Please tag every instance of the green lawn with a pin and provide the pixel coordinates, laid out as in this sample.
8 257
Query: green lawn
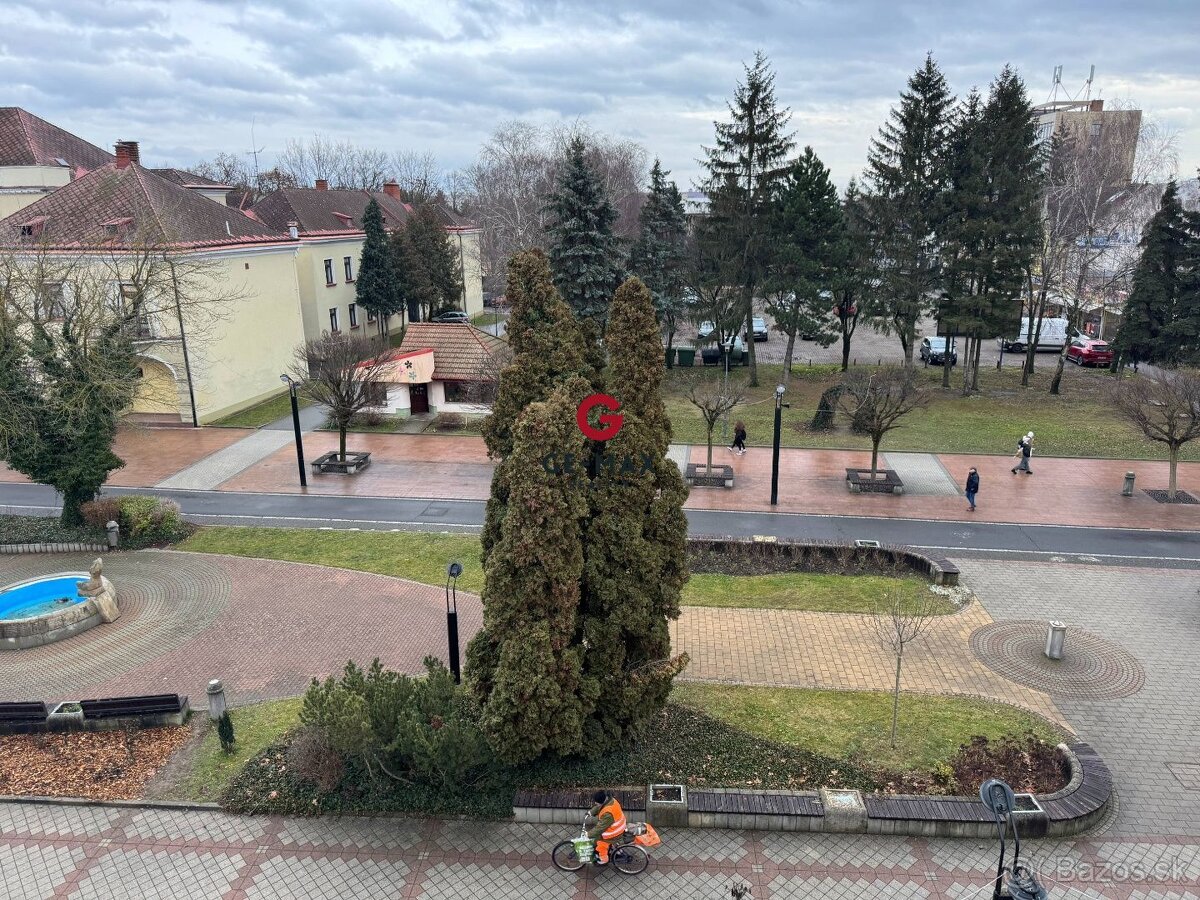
1078 422
855 725
419 556
809 591
486 319
255 728
262 413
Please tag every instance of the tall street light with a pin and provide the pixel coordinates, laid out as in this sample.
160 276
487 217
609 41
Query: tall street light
779 406
452 572
292 385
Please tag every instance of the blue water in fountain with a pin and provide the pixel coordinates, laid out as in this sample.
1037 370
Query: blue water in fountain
41 596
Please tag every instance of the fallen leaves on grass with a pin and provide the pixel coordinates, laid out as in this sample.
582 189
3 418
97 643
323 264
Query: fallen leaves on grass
107 765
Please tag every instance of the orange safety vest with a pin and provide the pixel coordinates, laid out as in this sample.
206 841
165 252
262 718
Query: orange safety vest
618 826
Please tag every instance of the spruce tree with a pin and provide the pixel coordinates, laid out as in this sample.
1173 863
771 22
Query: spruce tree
584 252
524 666
853 287
659 256
1157 280
377 288
744 169
809 250
431 264
906 179
634 538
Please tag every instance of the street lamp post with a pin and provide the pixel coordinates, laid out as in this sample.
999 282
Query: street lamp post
1022 883
452 572
779 405
292 385
725 419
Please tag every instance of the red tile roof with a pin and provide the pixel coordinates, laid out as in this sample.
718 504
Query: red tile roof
26 140
461 352
190 179
161 211
323 213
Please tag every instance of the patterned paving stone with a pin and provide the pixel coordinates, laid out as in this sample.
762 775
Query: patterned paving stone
34 872
922 473
676 885
701 844
327 878
800 888
194 827
980 856
502 837
470 881
1164 895
1161 862
36 819
835 851
350 832
158 876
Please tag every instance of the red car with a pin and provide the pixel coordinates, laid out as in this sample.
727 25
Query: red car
1087 352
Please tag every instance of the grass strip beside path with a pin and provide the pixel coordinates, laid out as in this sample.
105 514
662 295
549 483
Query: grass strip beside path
263 413
416 555
809 591
855 725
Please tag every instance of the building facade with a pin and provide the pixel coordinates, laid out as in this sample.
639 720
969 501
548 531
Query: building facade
37 158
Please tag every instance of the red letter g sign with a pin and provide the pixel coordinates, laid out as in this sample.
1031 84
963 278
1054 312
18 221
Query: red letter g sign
610 421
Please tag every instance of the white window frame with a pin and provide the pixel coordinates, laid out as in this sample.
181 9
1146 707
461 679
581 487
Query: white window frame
348 266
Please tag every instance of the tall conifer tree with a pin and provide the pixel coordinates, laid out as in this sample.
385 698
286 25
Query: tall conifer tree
659 256
377 288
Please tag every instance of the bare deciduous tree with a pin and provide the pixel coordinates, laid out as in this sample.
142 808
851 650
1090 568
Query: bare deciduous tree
1165 409
714 400
320 157
898 624
343 372
877 401
418 175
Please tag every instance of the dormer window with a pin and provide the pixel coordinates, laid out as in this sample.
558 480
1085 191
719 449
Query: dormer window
347 221
33 228
115 227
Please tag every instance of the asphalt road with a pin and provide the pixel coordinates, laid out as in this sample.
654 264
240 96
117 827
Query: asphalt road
1116 546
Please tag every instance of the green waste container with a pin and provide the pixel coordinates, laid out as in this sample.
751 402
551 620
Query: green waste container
687 356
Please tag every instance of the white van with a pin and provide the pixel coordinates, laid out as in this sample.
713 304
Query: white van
1051 337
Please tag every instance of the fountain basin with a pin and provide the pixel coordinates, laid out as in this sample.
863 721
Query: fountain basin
43 610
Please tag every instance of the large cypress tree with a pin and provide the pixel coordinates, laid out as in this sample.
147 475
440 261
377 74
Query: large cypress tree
1157 282
431 264
584 252
659 256
634 538
809 250
744 168
906 179
378 288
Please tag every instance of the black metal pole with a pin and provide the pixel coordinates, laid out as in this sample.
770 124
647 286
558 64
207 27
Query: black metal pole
452 630
775 450
299 440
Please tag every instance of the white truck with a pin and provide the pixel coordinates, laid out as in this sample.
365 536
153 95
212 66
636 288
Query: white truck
1051 337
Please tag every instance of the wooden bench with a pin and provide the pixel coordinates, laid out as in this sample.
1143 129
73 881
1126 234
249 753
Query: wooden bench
146 711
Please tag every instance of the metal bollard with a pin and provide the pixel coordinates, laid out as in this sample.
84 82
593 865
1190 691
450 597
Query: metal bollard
1056 639
1127 491
216 699
114 535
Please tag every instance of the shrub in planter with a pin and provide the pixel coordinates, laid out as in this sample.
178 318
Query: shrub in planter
144 519
312 755
367 418
414 730
1027 763
450 422
99 512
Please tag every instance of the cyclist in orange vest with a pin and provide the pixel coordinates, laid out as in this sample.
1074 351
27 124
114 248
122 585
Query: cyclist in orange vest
610 823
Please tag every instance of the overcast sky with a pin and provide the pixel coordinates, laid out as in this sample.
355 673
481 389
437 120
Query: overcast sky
186 78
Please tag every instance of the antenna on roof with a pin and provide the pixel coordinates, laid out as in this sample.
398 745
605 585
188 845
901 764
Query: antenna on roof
1087 88
254 151
1056 83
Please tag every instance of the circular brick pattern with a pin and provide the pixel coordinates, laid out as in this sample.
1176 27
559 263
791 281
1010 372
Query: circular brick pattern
1092 668
165 600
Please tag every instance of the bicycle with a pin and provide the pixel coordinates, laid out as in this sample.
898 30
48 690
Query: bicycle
628 859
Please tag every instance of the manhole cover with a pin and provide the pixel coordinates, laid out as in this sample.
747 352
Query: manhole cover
1092 668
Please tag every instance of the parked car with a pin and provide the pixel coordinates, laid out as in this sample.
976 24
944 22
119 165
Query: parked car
1051 337
933 351
452 315
760 329
1089 352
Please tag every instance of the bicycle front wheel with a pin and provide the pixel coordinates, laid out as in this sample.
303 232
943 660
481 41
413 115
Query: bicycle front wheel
565 858
629 860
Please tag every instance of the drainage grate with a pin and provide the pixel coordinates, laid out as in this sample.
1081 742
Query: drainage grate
1180 497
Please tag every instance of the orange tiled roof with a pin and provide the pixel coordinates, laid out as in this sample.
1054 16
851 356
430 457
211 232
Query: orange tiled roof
461 352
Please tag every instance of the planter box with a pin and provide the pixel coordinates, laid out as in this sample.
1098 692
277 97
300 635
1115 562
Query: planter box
687 356
63 719
1031 820
845 812
886 481
701 476
330 464
711 356
667 806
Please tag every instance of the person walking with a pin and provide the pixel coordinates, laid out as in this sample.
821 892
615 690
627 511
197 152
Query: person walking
739 439
972 487
1024 451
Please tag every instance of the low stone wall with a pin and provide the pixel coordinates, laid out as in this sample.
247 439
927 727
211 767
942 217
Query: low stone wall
13 549
20 634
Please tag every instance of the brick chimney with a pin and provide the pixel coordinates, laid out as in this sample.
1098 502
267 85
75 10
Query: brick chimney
1096 106
293 229
127 152
392 189
322 184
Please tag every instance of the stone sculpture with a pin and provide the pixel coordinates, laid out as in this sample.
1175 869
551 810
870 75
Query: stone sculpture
100 593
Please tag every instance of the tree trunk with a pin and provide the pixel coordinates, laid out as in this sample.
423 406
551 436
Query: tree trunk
975 366
875 454
1173 459
708 470
73 499
845 350
1056 381
787 358
946 366
896 696
342 441
750 338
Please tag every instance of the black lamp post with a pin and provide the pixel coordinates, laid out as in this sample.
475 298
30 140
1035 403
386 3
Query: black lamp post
1022 883
452 572
779 406
292 385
